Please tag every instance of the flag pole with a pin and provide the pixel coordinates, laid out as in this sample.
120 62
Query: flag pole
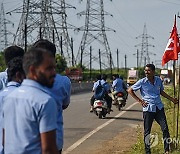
177 124
171 53
174 92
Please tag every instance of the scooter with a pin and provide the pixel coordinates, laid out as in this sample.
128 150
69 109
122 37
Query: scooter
119 100
100 108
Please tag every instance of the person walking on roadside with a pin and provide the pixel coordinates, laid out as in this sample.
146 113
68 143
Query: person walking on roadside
29 112
61 92
151 88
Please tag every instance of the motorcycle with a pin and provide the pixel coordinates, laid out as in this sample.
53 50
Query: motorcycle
119 100
100 108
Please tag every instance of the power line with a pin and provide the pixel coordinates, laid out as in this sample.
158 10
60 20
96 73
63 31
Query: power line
3 29
94 31
44 19
144 52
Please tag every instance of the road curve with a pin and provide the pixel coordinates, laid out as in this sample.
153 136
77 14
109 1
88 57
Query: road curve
83 131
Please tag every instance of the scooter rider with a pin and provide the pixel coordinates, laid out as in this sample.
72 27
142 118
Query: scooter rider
93 89
108 99
118 86
108 90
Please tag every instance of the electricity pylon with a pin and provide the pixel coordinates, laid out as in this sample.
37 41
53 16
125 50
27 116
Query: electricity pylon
3 29
94 34
144 51
45 19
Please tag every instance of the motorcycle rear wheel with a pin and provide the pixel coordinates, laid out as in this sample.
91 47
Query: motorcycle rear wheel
100 115
104 115
119 107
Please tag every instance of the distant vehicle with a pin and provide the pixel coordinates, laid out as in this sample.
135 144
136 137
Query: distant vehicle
166 76
74 74
132 77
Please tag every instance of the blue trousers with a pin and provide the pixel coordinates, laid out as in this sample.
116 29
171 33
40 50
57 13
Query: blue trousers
160 118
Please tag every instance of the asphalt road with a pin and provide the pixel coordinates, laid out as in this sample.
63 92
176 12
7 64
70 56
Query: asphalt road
83 131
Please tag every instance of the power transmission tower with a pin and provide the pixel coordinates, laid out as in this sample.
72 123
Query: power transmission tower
45 19
3 29
144 51
94 34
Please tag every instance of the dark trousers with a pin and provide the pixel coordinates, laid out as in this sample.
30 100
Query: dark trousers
106 97
108 100
160 118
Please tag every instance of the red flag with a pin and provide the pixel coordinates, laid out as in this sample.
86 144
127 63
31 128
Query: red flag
172 48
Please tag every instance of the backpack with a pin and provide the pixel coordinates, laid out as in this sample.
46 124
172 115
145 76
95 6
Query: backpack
99 91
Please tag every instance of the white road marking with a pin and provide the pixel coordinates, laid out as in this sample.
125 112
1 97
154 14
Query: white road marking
76 144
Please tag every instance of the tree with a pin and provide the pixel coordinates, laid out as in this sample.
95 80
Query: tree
61 63
2 62
82 67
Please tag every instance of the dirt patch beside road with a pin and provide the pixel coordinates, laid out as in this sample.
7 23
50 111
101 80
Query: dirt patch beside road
121 144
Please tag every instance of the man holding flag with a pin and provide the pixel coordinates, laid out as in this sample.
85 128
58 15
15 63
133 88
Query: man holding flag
151 88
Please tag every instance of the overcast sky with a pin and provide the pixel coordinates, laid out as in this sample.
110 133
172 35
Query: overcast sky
129 17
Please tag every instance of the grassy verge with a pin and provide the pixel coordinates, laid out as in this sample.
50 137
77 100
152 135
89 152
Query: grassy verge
157 148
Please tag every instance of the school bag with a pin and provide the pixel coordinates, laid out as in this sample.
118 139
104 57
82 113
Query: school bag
100 91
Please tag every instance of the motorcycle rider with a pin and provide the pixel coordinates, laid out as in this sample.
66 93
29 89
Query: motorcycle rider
118 86
108 90
98 77
108 99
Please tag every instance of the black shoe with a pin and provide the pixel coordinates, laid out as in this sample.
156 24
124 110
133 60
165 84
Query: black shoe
109 110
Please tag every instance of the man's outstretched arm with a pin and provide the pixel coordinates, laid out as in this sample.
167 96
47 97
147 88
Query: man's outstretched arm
174 100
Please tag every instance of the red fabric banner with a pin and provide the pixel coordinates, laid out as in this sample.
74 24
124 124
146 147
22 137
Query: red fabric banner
172 48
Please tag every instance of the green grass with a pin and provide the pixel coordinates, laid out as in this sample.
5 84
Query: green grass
138 148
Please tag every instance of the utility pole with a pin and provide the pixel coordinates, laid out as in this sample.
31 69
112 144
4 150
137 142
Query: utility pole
3 29
25 37
81 57
144 52
125 57
137 56
145 61
61 46
117 60
90 69
72 51
100 61
111 63
45 19
94 32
